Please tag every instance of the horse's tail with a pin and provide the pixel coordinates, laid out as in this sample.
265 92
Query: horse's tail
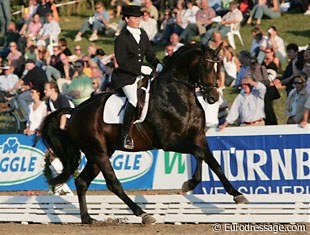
61 144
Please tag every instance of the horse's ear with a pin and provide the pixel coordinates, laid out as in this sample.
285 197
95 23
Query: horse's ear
219 48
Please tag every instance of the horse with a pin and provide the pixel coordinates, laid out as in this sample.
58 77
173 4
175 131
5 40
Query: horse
174 122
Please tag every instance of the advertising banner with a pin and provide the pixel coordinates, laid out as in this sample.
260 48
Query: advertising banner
260 160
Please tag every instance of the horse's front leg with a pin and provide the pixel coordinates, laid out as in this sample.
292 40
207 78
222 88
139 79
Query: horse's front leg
82 183
195 180
115 186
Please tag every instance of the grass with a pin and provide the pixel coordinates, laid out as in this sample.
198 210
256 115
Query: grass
292 27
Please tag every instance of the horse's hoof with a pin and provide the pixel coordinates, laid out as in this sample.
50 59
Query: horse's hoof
185 187
88 220
148 219
240 199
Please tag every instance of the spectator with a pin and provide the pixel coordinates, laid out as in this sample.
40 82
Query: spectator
148 4
50 30
96 86
148 24
234 16
43 56
14 57
231 65
244 58
55 101
30 51
5 15
106 80
35 76
43 9
272 63
31 30
38 111
248 106
64 47
81 87
77 55
58 66
306 114
261 9
199 22
11 35
27 15
169 50
118 4
98 22
293 68
54 10
296 100
258 38
175 42
8 79
275 42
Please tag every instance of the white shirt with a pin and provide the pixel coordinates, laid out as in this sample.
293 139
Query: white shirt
8 82
50 29
36 116
230 67
135 33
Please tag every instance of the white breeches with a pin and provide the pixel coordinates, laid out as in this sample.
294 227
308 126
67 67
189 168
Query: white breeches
131 92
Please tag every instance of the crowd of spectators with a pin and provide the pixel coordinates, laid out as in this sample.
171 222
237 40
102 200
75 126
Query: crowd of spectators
37 62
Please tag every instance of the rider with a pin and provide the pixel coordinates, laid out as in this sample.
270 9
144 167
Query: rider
130 48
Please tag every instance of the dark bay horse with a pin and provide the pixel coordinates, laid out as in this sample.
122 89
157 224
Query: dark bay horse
175 122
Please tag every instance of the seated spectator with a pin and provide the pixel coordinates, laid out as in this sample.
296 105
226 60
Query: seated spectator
81 87
32 29
38 111
35 77
148 24
199 22
30 51
168 52
258 38
50 30
148 4
231 66
11 35
248 106
106 80
296 100
8 79
293 68
272 64
175 42
43 9
27 14
77 55
58 66
306 115
62 42
98 22
43 56
275 42
55 101
216 41
96 86
234 16
118 5
87 61
16 59
261 9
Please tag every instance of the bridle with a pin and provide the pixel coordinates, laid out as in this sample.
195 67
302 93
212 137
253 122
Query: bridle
205 87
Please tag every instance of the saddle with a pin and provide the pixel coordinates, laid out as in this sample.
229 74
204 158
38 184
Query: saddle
115 105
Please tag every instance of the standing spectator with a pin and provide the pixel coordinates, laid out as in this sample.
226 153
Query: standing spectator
35 76
81 87
275 42
38 111
55 101
234 16
8 79
5 15
201 21
261 9
148 24
98 22
296 100
293 68
271 62
248 106
50 30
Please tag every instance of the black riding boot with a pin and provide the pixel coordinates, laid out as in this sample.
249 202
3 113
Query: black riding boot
129 115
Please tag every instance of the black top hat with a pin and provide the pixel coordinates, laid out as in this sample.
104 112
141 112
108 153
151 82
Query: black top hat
131 10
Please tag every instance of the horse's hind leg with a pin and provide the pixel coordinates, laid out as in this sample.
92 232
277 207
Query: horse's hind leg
82 183
115 186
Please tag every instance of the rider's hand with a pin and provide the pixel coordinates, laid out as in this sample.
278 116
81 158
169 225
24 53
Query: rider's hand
159 68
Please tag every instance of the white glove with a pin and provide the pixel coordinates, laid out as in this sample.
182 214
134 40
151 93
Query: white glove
146 70
159 68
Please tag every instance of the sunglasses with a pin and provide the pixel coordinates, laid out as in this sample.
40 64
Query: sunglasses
77 49
77 66
300 82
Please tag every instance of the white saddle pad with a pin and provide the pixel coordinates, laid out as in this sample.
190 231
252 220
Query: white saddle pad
114 109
